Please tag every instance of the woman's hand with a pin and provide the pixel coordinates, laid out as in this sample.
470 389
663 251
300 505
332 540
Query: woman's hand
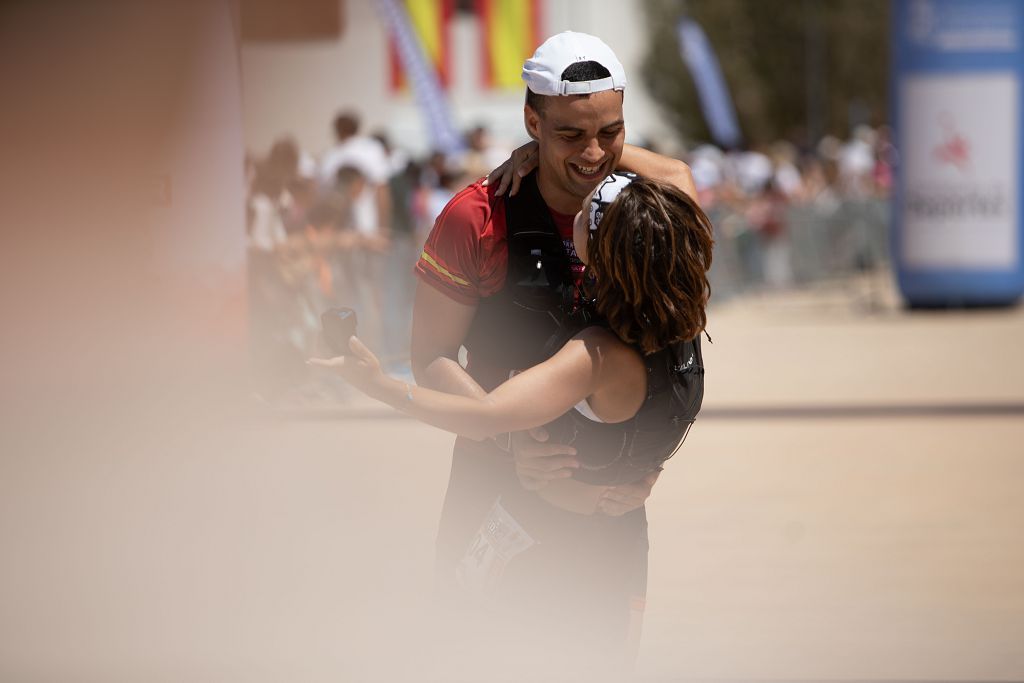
523 160
538 462
360 368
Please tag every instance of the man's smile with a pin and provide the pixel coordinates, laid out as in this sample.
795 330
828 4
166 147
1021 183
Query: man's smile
591 172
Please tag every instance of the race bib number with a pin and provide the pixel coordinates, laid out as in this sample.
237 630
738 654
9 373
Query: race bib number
499 539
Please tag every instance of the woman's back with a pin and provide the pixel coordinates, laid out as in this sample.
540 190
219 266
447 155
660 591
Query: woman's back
623 379
643 407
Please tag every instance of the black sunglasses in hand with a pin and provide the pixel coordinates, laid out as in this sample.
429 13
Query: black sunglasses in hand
338 325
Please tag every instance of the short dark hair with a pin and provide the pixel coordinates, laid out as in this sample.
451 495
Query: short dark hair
346 124
574 73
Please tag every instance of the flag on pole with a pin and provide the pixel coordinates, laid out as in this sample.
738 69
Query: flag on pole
423 77
509 33
430 21
712 91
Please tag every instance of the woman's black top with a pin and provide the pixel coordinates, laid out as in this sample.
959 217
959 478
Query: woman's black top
624 452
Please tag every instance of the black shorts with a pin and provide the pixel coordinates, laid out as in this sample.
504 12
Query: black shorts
583 574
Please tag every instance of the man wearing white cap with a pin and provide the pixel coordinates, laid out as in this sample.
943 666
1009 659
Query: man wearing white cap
497 275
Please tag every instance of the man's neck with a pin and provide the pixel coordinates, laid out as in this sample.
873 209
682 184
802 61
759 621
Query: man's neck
555 197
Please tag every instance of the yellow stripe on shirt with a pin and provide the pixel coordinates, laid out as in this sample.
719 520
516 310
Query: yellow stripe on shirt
442 270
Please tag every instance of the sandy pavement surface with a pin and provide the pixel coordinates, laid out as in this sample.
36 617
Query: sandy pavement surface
848 507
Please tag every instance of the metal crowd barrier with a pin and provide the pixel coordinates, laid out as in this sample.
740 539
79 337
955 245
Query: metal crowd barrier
819 241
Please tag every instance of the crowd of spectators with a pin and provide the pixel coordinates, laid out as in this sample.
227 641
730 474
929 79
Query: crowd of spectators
786 216
342 230
346 228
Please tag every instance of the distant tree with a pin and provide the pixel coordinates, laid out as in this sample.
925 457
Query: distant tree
796 69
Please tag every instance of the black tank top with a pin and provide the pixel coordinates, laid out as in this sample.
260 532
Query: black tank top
512 327
624 452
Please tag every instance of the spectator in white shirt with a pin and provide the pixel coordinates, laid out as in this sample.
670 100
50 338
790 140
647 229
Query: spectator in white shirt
369 157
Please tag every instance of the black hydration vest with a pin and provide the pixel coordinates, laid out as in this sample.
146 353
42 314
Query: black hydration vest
511 328
624 452
537 311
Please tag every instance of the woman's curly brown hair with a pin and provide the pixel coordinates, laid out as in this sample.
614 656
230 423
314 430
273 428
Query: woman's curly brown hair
649 258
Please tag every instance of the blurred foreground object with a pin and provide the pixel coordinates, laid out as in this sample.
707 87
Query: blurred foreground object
957 111
123 297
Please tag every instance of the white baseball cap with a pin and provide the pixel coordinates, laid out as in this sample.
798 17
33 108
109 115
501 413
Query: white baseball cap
543 71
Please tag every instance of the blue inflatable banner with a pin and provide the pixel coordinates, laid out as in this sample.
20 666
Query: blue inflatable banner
957 113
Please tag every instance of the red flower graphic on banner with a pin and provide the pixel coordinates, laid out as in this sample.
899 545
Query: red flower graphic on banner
954 149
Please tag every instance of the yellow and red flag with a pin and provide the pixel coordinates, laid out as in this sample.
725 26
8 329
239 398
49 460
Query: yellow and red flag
430 21
510 32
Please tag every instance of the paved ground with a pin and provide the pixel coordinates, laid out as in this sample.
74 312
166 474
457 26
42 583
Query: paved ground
848 508
884 543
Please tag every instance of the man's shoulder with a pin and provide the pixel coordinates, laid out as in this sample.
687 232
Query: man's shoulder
463 256
475 206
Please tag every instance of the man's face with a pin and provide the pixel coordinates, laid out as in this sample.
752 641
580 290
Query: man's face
580 139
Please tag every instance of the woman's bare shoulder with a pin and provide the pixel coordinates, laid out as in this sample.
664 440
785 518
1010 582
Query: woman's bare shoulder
621 377
599 342
604 352
601 337
610 354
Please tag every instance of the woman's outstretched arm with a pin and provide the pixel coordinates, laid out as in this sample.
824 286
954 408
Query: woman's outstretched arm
530 399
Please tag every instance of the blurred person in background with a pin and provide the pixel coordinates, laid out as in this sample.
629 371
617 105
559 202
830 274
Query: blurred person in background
828 150
751 169
397 280
436 165
856 159
319 266
448 181
371 213
482 153
334 242
269 198
820 175
767 213
707 165
785 174
303 191
885 161
371 158
272 315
